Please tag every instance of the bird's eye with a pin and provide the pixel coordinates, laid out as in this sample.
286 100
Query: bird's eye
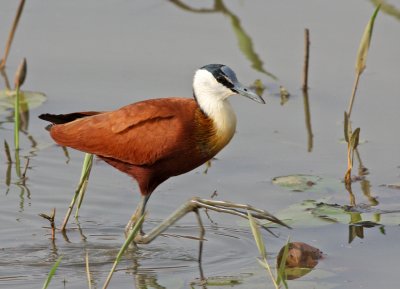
224 81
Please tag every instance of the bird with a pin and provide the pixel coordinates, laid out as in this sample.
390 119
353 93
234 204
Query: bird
155 139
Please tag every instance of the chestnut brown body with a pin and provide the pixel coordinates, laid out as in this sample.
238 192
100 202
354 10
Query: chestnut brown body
151 140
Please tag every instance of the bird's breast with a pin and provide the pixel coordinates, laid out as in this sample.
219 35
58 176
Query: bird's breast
213 133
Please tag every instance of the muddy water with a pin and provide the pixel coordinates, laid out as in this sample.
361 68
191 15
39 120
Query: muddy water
99 56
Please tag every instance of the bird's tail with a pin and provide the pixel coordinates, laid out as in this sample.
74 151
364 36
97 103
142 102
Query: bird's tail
64 118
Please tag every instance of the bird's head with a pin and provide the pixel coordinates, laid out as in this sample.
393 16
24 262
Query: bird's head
218 81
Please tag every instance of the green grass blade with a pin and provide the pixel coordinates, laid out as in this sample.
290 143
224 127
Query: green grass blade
74 198
257 236
365 42
362 56
261 247
52 272
282 266
263 264
128 241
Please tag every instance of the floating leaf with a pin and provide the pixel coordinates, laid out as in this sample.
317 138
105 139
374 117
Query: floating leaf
295 273
297 183
331 213
311 213
220 281
28 100
299 215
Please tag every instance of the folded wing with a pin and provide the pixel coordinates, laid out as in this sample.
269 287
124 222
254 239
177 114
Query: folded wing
140 134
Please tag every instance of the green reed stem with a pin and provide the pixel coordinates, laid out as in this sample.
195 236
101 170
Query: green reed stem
88 274
73 201
16 119
128 241
86 167
261 248
17 164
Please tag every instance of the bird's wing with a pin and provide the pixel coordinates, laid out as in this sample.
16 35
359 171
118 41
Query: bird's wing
139 134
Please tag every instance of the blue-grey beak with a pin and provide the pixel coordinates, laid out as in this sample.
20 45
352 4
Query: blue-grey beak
247 92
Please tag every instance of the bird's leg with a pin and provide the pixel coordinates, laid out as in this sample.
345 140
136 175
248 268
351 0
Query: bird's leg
218 206
175 216
140 210
202 233
201 240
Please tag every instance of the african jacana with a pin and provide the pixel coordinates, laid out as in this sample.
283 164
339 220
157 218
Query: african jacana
156 139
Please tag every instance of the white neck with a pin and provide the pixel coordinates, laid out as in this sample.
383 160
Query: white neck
212 98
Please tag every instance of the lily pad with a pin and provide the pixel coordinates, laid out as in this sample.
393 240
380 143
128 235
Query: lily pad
219 281
311 213
298 215
307 183
331 213
28 100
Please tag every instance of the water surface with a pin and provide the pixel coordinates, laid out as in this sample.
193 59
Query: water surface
100 56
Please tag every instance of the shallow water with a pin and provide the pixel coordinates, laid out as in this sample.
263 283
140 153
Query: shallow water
100 56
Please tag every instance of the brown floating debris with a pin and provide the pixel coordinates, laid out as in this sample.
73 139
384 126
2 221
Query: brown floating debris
301 258
284 94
